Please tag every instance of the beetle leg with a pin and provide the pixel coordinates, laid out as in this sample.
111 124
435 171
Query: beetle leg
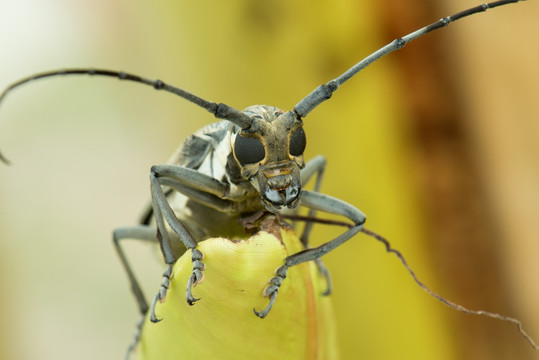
162 212
145 233
136 338
197 187
202 188
197 275
326 203
315 201
272 289
315 167
324 272
162 293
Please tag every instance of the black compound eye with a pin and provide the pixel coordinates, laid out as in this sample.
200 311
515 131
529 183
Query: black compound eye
248 150
297 142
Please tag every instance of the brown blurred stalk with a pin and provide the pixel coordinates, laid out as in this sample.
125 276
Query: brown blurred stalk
465 241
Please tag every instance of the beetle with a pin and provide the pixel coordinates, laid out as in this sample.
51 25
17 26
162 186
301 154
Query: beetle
276 182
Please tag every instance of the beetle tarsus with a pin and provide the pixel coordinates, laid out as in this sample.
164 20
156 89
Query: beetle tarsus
161 294
192 281
136 339
262 314
196 277
272 289
153 317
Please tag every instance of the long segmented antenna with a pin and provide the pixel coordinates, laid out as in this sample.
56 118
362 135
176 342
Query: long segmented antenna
324 92
399 255
443 300
221 111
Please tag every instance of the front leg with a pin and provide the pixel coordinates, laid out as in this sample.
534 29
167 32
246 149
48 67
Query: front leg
163 211
315 201
197 187
315 167
326 203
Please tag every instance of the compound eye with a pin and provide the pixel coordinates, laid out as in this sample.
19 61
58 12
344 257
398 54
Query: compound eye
297 142
248 150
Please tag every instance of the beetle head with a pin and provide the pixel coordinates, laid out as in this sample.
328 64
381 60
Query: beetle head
270 155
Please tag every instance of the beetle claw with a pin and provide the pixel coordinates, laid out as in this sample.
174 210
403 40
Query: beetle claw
193 280
161 294
262 314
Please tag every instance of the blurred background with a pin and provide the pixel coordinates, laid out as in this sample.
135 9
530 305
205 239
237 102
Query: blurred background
436 143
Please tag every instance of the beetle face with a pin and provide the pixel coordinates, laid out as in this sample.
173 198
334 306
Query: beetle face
270 155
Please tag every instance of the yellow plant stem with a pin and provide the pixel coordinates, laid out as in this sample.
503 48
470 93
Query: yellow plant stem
222 324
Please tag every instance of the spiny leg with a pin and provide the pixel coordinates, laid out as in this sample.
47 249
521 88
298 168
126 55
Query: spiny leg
321 202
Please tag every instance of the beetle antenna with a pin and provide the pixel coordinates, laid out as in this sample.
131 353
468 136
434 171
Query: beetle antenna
399 255
443 300
324 92
221 111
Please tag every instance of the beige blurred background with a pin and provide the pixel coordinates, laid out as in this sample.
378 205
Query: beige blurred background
435 143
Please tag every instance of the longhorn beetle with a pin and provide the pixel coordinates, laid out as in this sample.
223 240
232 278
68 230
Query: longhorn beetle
251 161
